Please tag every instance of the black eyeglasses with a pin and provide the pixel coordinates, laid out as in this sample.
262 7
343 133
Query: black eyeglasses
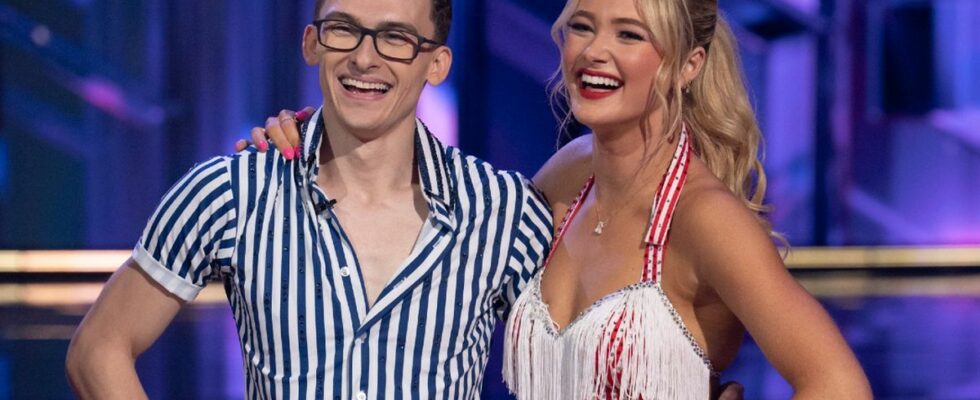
392 44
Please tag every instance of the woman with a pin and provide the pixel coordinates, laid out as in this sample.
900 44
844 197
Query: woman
649 301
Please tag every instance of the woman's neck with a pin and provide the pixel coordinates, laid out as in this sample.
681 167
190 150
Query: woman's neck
623 157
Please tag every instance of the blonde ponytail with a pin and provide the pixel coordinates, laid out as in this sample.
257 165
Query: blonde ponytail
715 105
722 123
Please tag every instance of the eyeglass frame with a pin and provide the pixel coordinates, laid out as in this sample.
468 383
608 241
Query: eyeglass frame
373 33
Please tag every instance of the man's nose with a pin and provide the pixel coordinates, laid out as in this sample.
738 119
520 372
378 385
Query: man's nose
365 56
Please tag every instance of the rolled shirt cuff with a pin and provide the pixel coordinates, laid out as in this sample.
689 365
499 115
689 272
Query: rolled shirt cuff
164 276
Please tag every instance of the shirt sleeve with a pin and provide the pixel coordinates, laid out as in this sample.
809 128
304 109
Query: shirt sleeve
192 232
532 241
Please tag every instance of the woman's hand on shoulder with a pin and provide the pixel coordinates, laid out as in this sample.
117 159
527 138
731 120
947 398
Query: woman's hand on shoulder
282 130
561 177
734 255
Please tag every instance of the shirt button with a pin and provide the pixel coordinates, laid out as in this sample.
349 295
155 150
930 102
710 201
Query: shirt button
345 271
361 395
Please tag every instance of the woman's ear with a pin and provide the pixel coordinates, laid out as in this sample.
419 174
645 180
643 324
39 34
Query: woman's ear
693 65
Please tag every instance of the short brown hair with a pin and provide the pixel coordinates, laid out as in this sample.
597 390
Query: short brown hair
442 17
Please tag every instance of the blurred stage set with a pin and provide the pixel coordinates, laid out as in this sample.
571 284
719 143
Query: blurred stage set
870 108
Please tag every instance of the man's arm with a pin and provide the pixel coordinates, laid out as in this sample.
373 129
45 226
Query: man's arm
130 314
187 239
531 243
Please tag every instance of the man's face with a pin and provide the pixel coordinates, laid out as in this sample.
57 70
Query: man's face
367 94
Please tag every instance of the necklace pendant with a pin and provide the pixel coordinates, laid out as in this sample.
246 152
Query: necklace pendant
598 227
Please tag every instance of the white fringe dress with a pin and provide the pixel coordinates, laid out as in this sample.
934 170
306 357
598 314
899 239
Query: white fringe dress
630 344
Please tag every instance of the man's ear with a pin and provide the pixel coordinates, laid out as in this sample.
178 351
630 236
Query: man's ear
310 46
693 65
440 65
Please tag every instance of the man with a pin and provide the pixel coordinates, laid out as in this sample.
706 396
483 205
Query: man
373 263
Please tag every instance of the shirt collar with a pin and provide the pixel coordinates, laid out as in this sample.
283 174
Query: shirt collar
430 159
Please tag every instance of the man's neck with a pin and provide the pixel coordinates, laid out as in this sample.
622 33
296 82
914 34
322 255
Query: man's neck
367 166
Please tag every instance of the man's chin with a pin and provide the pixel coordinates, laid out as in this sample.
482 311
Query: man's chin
365 125
354 116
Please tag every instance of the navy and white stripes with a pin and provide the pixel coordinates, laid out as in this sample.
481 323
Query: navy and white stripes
262 225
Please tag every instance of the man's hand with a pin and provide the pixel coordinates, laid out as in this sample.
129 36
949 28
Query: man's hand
731 391
282 130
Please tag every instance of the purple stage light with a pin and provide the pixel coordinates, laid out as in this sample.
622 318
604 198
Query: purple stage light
438 109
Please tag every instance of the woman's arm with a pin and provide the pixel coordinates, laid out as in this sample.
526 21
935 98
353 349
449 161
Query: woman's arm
735 257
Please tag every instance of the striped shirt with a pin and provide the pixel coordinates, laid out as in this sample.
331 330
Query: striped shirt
261 225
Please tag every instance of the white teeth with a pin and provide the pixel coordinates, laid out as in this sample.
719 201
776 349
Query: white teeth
365 85
600 81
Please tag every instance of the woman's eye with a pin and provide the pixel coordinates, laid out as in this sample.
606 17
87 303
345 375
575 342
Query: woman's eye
630 35
579 27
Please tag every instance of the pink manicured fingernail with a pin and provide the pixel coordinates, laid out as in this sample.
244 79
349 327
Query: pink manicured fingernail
301 115
297 152
288 153
263 145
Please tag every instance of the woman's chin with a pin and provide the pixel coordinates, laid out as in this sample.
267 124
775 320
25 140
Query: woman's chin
604 122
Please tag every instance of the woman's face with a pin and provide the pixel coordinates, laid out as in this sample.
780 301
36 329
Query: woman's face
609 61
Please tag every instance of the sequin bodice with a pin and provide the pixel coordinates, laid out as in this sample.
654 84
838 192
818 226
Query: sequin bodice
629 344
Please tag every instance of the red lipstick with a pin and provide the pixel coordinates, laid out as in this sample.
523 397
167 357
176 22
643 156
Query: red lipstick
592 94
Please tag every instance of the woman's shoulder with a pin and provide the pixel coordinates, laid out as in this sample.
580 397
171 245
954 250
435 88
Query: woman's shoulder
710 218
562 176
703 191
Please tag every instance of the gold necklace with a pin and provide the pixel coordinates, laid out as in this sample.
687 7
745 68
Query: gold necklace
602 223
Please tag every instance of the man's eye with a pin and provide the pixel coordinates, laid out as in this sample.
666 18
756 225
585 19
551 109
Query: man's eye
396 38
341 29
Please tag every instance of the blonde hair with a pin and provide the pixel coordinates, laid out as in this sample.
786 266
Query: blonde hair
714 106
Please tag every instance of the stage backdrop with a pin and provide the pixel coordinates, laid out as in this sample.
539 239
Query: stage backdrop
870 111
